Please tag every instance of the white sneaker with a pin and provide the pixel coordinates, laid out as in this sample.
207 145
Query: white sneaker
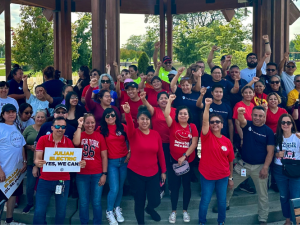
118 214
186 217
14 223
162 193
172 217
111 218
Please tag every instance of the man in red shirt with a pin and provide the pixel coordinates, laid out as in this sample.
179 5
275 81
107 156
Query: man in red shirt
52 182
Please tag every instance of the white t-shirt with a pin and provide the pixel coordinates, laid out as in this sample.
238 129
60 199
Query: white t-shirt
291 146
248 74
21 125
288 81
11 146
37 104
8 100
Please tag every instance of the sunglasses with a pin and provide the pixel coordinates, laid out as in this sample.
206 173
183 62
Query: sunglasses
297 81
27 113
215 121
61 112
271 70
94 74
169 62
290 67
274 82
110 115
60 126
286 122
105 81
124 74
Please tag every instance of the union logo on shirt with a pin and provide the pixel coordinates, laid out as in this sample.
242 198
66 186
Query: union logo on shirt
224 148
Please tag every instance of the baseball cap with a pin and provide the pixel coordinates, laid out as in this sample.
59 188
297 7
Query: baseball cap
291 61
166 59
60 106
8 107
132 84
173 72
128 80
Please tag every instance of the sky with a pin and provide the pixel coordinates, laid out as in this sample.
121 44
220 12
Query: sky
130 23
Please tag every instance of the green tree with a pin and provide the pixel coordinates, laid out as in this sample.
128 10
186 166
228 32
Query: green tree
134 43
148 42
131 54
124 53
33 39
143 63
297 42
2 50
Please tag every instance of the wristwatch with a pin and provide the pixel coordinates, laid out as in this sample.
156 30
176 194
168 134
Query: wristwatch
230 178
184 154
104 173
24 161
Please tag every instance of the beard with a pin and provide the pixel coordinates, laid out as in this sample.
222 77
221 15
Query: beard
252 65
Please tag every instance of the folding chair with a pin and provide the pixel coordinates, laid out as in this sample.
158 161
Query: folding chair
295 210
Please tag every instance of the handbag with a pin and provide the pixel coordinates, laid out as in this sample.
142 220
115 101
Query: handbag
290 167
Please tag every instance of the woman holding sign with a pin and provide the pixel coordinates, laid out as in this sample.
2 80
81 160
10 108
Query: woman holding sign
91 179
12 153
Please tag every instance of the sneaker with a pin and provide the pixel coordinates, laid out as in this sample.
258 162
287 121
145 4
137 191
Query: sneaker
14 223
154 215
247 189
27 209
111 218
172 217
215 209
118 214
162 193
186 217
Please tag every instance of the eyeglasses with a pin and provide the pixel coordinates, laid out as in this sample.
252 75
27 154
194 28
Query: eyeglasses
93 75
27 113
286 122
274 82
290 67
105 81
124 74
252 58
271 70
202 67
74 97
60 126
61 112
110 115
169 62
4 88
215 121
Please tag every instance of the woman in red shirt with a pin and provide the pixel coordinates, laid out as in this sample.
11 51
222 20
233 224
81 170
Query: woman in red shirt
115 136
183 142
216 164
91 179
146 154
274 112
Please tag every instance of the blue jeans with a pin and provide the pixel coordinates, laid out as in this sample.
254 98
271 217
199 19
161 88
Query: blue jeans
207 189
87 185
30 184
289 188
117 172
44 191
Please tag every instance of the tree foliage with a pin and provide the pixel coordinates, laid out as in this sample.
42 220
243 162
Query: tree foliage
297 42
134 43
143 63
2 50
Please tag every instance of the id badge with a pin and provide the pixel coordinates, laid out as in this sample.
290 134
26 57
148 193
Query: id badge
58 189
243 172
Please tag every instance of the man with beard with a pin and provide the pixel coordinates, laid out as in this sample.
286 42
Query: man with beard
288 75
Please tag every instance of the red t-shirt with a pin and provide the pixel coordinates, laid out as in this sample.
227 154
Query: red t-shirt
134 106
92 145
180 140
216 154
47 141
272 119
160 125
165 86
152 96
146 150
260 99
84 93
116 143
122 88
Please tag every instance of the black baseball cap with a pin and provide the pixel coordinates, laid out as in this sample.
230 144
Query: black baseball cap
167 59
60 106
131 84
8 107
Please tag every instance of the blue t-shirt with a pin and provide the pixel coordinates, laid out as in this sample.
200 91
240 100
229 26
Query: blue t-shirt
190 101
17 89
226 112
54 87
235 98
46 129
256 140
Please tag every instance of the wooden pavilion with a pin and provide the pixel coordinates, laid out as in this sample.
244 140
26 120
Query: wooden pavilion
271 17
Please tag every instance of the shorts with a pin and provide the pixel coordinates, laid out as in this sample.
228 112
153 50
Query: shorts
18 192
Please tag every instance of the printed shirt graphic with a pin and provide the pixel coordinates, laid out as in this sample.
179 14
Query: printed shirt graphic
8 100
291 146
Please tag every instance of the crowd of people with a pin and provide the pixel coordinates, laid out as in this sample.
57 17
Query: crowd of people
150 129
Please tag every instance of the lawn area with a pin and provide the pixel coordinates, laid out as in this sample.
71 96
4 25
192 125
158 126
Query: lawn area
297 72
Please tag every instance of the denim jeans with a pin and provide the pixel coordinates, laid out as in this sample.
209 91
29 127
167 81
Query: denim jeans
208 187
44 191
117 172
30 184
87 185
289 188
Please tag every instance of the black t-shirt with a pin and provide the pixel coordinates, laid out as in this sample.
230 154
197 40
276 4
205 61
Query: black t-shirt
235 98
17 89
80 111
54 87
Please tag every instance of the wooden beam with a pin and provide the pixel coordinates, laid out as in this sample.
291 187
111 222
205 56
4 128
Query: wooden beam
2 6
98 34
56 37
7 28
294 13
48 4
169 28
48 14
228 14
162 29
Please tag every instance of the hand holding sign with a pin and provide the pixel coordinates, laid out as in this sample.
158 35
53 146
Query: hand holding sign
39 163
2 175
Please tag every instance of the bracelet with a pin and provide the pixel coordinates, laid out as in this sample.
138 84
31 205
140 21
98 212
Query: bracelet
79 127
267 43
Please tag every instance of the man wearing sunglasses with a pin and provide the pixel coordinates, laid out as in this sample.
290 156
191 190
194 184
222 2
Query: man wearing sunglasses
288 75
256 157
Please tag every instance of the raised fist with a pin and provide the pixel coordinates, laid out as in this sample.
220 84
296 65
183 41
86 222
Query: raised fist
208 101
180 70
172 98
157 45
214 48
266 38
255 79
94 82
126 107
143 95
228 57
80 122
241 110
203 91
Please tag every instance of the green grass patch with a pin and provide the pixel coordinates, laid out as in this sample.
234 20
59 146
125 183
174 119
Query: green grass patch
2 73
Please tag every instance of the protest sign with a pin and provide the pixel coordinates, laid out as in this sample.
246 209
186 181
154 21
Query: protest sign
62 159
13 180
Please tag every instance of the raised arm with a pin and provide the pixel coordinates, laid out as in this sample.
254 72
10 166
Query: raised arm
205 122
146 103
118 88
211 56
236 86
47 97
199 102
88 97
268 50
173 84
25 87
254 80
241 117
129 121
142 83
116 67
167 112
155 53
159 64
282 63
260 64
197 87
77 134
108 69
228 58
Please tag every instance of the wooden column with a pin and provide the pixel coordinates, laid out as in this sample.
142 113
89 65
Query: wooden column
169 28
65 40
7 28
162 29
56 40
98 34
113 33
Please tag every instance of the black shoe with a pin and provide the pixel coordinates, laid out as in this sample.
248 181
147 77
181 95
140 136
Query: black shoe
274 187
247 188
154 215
215 209
27 209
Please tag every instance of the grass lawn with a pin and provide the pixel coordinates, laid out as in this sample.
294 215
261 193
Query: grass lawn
2 72
297 72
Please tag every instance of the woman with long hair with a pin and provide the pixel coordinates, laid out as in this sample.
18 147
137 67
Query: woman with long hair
16 85
275 85
24 117
183 142
84 80
106 82
114 133
143 171
287 147
75 111
91 179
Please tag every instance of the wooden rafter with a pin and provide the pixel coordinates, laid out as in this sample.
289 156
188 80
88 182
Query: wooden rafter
294 13
228 14
47 4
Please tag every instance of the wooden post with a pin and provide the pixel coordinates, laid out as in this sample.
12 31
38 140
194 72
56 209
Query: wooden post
7 38
98 34
169 28
162 29
56 40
